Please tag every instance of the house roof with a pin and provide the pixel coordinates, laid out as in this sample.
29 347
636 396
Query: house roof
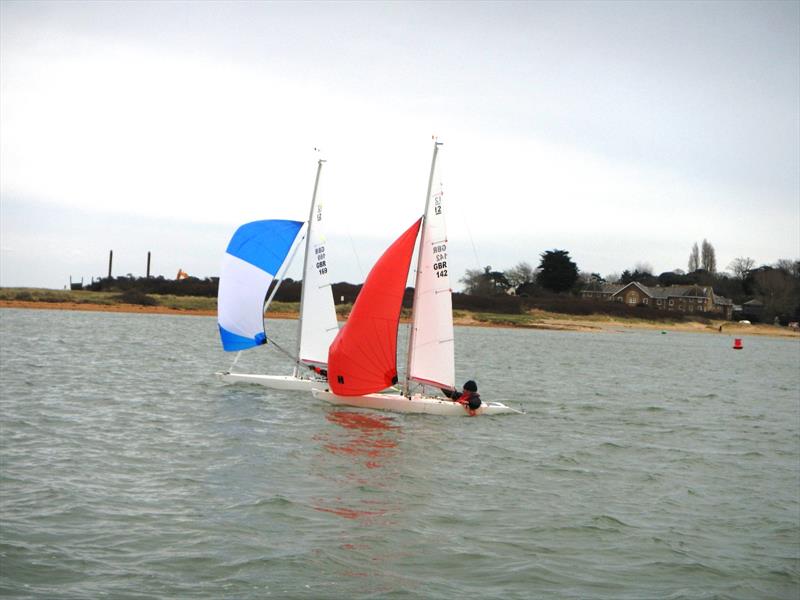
605 288
672 291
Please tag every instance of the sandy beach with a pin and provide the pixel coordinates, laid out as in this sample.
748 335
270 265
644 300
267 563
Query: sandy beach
542 320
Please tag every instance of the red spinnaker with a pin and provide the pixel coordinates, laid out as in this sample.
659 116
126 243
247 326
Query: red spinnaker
363 357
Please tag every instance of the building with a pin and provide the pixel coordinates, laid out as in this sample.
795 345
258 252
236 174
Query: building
690 299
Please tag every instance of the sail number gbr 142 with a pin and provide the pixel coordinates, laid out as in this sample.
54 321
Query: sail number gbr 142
440 260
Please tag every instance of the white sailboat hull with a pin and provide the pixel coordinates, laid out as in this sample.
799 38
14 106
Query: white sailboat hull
416 404
276 382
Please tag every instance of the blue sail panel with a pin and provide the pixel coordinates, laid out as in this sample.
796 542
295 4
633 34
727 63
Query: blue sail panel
264 244
254 256
233 343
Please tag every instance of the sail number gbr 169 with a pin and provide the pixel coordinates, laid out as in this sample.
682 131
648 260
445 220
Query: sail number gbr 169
322 266
440 260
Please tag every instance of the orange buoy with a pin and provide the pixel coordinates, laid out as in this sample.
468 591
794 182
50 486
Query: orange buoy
737 344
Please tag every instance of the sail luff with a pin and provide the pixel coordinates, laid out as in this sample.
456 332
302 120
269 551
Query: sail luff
431 343
305 263
412 332
305 267
317 325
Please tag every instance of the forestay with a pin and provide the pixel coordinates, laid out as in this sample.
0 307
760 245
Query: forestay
253 257
431 353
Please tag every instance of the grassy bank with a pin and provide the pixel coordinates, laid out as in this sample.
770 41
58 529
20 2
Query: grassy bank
133 301
170 301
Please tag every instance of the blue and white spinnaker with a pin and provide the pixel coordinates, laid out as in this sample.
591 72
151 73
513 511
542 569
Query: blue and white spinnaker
252 260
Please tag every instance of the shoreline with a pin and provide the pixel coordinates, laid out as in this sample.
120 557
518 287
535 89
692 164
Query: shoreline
544 321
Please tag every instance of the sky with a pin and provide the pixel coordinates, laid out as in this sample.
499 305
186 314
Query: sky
622 132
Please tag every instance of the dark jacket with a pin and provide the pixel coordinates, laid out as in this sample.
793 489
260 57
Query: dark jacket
467 398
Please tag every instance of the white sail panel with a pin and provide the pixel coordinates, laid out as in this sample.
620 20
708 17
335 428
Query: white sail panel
253 257
240 302
432 350
318 324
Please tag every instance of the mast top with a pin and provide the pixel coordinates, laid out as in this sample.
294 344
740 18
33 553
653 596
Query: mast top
321 160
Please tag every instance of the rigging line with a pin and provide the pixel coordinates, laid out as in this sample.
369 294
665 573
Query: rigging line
465 221
474 249
290 356
355 254
235 360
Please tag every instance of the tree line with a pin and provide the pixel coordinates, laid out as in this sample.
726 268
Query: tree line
554 284
775 286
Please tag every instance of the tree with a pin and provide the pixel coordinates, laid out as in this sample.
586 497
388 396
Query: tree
521 274
676 277
708 260
790 267
741 266
476 283
779 291
484 283
498 280
694 259
590 278
642 276
557 271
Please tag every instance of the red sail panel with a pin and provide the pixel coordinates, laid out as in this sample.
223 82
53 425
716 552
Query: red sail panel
363 357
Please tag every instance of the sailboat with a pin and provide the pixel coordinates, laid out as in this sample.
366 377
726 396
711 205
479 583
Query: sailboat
362 360
255 253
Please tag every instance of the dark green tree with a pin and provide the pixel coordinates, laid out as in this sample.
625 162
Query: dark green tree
557 271
484 283
498 280
642 275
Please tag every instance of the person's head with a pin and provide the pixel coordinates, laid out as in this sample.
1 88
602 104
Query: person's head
470 386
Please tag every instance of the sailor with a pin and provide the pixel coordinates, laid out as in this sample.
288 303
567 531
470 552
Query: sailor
468 396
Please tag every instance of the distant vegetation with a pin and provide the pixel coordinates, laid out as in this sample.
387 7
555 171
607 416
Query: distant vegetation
554 286
556 283
191 286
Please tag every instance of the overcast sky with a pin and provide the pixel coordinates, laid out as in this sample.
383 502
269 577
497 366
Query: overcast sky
621 132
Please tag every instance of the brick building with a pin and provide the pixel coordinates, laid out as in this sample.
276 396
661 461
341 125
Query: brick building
690 299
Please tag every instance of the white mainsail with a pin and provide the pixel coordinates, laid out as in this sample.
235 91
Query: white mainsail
318 324
431 353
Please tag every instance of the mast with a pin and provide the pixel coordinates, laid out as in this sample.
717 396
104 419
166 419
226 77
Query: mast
305 264
279 277
412 333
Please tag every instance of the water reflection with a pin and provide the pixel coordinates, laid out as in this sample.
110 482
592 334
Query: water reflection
359 452
359 462
372 437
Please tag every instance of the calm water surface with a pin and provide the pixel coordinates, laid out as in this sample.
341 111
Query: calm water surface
646 466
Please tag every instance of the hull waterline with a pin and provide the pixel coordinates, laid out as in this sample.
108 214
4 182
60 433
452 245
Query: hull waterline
416 404
275 382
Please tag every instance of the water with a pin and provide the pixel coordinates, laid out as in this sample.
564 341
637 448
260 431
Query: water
647 466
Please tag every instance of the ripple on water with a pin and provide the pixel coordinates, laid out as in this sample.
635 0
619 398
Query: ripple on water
129 471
